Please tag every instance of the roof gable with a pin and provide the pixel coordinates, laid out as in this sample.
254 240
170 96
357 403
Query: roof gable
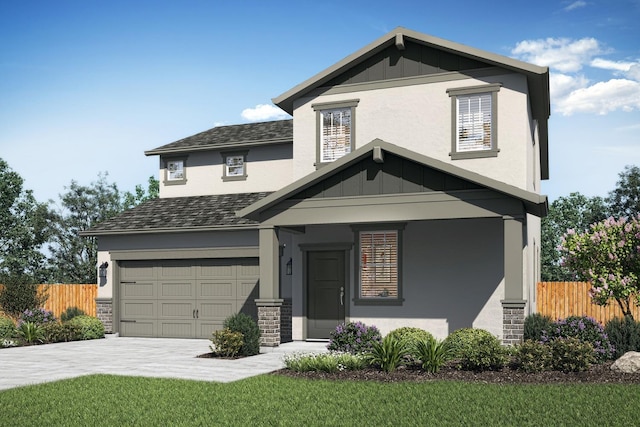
407 172
234 136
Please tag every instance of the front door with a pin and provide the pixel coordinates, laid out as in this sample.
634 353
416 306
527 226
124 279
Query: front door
326 292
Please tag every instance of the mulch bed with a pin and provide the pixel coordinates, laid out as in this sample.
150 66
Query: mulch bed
598 374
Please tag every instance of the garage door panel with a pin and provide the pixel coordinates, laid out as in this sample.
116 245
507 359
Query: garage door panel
138 329
133 270
177 309
176 329
206 328
174 290
216 310
181 269
138 290
213 270
248 289
248 270
217 289
138 309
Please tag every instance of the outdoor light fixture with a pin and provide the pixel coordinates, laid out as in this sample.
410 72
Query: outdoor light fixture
103 270
289 266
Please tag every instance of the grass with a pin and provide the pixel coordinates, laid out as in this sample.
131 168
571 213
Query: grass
272 400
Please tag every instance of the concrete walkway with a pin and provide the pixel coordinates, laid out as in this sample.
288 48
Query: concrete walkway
146 357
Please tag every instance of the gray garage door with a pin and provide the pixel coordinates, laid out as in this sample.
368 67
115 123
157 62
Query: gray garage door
184 298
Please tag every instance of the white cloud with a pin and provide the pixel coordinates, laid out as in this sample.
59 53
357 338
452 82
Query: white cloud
562 54
575 5
612 65
602 98
561 85
263 112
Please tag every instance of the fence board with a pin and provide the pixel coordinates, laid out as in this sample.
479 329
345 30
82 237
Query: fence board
563 299
62 297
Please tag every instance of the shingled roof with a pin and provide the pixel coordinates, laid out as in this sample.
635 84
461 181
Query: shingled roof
234 136
180 214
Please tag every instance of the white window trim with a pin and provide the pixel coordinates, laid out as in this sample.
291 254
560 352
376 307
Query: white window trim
225 168
178 181
489 89
381 300
320 108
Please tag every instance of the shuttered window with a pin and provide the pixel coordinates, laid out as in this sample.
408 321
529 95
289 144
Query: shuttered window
336 134
474 123
378 264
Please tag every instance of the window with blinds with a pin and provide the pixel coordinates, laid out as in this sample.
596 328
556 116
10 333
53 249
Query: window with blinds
379 264
335 134
474 122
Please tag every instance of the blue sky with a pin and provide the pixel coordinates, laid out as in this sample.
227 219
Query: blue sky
88 86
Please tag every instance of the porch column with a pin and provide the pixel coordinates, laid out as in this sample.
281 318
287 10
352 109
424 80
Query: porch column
269 302
513 303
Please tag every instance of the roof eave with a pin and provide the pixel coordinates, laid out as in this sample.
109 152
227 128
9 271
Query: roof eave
217 147
164 230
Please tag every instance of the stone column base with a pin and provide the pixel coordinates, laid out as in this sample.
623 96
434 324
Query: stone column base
104 312
269 321
286 316
512 322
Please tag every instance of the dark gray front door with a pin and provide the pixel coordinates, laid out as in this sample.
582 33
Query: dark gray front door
326 292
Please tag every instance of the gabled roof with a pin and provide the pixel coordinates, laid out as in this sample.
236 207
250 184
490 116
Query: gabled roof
180 214
537 77
534 203
234 136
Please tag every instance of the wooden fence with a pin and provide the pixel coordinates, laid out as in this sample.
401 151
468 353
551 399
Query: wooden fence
563 299
62 297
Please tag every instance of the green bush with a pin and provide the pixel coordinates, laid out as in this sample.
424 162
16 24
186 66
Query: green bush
431 353
91 327
226 343
61 332
353 337
462 340
70 313
324 362
19 294
534 326
39 316
586 329
623 334
571 354
7 328
249 329
485 353
533 356
31 333
411 336
388 354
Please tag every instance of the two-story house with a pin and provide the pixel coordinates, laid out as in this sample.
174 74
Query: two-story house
405 191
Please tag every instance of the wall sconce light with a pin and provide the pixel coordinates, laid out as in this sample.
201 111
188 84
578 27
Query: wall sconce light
289 267
103 270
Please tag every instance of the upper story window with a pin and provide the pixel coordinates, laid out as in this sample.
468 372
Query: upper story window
234 166
175 171
474 121
335 130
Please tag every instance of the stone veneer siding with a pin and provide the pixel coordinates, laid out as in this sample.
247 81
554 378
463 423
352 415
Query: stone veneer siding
104 312
286 316
512 325
269 324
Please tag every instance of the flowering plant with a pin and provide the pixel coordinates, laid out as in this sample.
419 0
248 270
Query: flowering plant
585 329
39 316
608 256
353 337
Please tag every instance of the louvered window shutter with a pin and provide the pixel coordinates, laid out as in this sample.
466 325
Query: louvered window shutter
379 264
336 134
474 122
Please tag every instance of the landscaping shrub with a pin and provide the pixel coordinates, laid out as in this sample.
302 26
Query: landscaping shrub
570 354
70 313
91 327
61 332
585 329
534 326
431 353
353 337
7 328
387 354
30 332
39 316
485 353
461 340
532 356
226 343
411 336
250 331
623 334
324 362
19 294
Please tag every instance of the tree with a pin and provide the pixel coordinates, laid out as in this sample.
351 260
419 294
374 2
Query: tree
608 256
130 200
625 199
73 257
576 212
25 226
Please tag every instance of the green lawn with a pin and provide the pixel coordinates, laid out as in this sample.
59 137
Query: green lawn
272 400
